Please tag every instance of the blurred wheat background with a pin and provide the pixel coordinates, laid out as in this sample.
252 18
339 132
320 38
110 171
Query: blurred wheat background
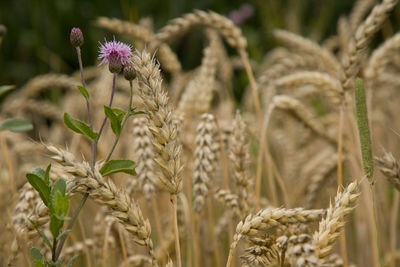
254 141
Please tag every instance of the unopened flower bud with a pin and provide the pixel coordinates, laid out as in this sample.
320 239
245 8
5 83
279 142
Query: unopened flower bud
114 63
129 72
3 30
76 37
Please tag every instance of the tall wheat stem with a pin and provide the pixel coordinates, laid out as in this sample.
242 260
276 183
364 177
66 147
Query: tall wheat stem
174 201
393 225
342 239
213 236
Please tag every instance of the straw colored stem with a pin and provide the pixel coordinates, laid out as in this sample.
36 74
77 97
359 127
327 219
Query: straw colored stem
393 226
254 91
263 145
213 236
124 253
342 239
174 201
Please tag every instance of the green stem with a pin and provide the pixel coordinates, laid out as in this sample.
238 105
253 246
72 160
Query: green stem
86 195
122 124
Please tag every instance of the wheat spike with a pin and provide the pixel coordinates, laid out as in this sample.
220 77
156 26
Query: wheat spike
144 152
164 131
329 227
205 159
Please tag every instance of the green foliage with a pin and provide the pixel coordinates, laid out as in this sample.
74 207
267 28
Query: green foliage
42 235
6 88
114 120
84 92
363 129
69 264
37 258
79 127
119 165
58 208
57 200
40 180
116 117
16 125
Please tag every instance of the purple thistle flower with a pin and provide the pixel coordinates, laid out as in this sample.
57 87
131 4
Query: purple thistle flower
114 51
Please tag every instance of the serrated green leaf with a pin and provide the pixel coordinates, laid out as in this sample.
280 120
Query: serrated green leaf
6 88
115 123
69 264
16 125
118 165
42 235
79 127
39 184
84 92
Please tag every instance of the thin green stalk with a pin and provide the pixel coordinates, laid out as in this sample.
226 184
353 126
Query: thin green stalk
366 151
78 52
86 195
125 118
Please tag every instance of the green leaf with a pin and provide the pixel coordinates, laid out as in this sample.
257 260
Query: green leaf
119 113
39 172
62 234
51 263
47 175
59 205
79 127
133 112
115 123
118 165
37 263
36 257
59 186
35 254
42 235
16 125
40 185
84 92
6 88
69 264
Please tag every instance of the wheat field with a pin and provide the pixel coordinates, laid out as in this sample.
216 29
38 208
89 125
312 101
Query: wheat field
145 163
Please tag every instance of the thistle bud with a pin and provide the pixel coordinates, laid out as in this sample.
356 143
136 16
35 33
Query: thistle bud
3 30
114 63
129 72
76 37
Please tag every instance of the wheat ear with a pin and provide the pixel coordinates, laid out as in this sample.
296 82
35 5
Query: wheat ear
330 226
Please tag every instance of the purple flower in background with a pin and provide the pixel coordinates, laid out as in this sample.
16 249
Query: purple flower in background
242 14
114 51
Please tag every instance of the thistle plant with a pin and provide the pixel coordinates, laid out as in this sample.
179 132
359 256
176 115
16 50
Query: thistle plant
116 55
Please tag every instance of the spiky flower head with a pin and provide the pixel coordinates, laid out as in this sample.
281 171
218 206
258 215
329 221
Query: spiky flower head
76 37
129 72
116 54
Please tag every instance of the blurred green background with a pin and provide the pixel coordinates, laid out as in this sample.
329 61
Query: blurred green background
37 41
